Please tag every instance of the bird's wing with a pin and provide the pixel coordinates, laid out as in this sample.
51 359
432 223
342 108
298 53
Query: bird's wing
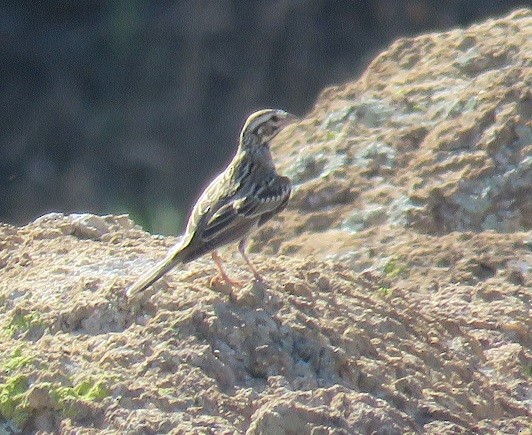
267 198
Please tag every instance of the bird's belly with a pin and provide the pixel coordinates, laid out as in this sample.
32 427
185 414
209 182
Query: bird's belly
235 234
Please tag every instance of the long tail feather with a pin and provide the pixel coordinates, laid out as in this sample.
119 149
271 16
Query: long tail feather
150 277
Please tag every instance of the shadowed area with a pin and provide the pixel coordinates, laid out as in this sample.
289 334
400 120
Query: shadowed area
133 105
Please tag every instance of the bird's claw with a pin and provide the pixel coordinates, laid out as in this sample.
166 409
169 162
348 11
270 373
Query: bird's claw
221 279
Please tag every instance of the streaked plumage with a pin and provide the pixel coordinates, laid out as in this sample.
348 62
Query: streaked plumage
245 195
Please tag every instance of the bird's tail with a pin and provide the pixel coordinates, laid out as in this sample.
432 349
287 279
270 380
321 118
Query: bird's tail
173 258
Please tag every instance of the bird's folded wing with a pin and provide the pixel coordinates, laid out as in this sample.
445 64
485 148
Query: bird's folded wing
266 198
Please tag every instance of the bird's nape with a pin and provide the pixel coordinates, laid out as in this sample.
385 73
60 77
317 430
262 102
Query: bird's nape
262 126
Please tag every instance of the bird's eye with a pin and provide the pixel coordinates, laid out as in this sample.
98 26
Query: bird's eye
275 118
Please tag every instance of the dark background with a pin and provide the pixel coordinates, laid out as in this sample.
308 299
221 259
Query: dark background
133 105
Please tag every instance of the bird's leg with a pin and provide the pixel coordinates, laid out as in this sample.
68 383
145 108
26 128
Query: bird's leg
242 245
218 261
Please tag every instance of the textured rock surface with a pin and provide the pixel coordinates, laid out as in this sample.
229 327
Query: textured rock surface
398 283
435 137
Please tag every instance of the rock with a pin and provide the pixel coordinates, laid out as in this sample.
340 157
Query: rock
436 136
401 303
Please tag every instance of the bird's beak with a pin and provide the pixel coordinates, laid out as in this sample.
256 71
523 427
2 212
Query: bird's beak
289 119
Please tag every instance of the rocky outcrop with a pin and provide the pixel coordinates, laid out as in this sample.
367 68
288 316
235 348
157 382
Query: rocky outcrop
435 137
397 292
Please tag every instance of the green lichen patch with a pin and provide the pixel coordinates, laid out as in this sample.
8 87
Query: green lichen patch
12 400
20 399
18 360
21 323
93 390
396 268
385 292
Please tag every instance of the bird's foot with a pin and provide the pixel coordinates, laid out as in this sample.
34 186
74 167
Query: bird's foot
221 279
258 277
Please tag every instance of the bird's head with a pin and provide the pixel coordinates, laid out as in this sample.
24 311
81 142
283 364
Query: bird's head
262 126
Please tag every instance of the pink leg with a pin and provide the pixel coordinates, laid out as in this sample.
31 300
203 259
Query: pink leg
242 248
218 261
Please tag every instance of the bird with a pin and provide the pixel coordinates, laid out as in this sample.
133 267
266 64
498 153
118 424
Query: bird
245 195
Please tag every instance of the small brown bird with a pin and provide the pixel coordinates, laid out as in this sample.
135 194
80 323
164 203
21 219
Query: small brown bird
244 196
